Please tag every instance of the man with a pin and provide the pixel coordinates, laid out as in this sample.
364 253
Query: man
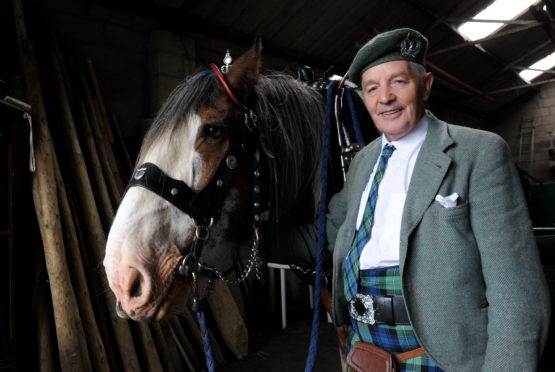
430 235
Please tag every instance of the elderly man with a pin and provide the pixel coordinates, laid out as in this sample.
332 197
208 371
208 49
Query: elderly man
432 245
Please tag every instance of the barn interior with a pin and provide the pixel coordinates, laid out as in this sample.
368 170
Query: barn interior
102 69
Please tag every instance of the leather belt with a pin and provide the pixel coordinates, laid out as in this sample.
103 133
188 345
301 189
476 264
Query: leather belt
379 309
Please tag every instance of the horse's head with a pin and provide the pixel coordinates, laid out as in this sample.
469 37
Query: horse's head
185 151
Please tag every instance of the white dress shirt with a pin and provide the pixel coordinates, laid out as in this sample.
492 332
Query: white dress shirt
383 248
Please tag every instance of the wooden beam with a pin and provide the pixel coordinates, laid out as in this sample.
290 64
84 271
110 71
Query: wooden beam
458 81
496 35
524 86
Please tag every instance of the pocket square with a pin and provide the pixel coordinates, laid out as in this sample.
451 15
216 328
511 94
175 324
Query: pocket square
448 201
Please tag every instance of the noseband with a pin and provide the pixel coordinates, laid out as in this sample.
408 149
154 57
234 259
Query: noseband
203 205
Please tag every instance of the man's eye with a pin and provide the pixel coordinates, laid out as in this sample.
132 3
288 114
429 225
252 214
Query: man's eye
213 131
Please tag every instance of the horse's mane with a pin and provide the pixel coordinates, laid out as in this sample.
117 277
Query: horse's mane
290 120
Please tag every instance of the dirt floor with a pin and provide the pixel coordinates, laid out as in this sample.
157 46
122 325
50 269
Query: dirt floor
285 350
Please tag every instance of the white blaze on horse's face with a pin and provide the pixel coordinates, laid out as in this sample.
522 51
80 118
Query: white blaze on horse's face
143 247
141 252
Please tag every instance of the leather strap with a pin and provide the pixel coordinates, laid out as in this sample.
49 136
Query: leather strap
410 354
390 310
228 89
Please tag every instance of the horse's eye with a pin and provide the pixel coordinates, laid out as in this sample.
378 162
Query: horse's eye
213 131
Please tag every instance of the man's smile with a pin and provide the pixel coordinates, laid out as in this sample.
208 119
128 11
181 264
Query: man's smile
390 113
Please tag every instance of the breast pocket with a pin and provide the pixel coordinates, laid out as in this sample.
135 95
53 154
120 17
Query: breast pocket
448 228
460 210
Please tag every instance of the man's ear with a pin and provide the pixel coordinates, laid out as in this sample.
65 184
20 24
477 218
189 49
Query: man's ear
428 81
245 72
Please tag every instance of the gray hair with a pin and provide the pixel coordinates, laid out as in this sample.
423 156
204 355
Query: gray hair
419 71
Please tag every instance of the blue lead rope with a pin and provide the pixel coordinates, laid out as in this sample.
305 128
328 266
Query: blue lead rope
210 361
313 348
354 116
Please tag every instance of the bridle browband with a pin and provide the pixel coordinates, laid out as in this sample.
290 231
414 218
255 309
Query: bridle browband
202 205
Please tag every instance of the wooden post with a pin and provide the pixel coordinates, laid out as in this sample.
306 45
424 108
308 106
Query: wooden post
94 341
229 320
183 344
166 348
121 142
115 186
71 343
95 165
102 107
187 321
46 339
113 162
150 351
71 346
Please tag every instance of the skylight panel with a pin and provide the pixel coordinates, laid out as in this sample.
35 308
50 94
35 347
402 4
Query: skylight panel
545 63
501 10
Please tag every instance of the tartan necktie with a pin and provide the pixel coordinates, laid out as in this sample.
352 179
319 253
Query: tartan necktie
352 262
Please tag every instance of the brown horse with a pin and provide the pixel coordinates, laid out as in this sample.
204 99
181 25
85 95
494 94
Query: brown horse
202 131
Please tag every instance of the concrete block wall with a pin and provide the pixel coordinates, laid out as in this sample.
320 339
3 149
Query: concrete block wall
538 112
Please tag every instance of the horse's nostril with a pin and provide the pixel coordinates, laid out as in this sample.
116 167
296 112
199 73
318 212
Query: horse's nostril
136 289
120 312
132 313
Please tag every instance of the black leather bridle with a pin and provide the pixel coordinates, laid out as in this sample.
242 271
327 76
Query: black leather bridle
203 205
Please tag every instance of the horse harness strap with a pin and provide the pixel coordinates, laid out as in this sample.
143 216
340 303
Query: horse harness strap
206 201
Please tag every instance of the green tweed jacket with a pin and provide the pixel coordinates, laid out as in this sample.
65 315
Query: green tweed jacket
472 278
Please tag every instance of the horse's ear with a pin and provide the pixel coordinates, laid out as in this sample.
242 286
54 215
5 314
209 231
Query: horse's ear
245 72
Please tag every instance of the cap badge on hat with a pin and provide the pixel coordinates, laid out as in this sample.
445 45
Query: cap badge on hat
411 46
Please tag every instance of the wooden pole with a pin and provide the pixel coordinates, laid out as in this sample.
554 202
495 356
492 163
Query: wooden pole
46 339
187 321
72 348
95 234
113 162
94 341
166 349
150 351
123 147
229 320
183 344
102 107
96 167
114 184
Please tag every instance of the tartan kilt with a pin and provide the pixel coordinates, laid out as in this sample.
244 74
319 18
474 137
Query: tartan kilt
395 339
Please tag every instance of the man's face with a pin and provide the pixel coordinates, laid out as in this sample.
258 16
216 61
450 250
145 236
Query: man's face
394 97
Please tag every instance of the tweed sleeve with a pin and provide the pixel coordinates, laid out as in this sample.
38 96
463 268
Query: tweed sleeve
518 302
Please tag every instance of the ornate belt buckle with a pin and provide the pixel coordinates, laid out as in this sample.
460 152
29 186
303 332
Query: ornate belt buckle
361 308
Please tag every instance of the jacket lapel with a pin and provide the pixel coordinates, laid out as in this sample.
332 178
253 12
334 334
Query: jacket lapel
362 177
429 170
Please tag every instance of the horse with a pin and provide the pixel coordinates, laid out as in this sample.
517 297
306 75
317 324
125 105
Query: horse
224 157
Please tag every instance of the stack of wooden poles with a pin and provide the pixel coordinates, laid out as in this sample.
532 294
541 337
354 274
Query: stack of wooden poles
81 169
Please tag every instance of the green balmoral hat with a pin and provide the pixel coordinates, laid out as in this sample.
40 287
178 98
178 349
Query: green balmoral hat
403 44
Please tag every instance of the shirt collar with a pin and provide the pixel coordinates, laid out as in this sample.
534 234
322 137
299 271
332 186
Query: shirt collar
414 139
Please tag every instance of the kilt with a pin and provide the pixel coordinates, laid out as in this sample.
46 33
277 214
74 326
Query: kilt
393 338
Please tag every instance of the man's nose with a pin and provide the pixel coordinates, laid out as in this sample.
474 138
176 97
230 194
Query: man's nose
386 95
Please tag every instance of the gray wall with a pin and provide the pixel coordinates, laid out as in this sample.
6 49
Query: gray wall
516 125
